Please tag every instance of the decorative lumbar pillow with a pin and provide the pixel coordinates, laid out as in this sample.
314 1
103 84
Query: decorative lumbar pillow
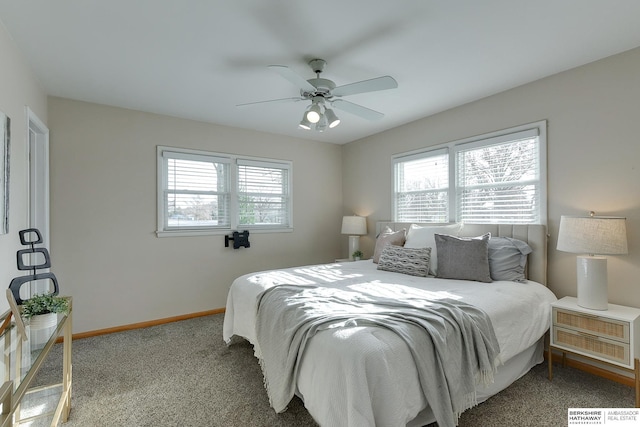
463 258
413 261
508 258
388 237
422 237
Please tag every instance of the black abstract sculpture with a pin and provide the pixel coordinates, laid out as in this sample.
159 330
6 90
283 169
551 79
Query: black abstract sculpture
31 237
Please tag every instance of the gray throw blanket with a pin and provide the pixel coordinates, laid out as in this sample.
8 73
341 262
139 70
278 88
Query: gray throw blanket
452 343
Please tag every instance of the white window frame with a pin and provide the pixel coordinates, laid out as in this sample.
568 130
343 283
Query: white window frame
286 194
233 160
410 157
519 132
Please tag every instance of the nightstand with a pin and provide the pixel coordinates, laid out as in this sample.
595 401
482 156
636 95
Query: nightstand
608 336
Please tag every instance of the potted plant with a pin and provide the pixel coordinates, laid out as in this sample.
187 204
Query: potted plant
42 310
357 255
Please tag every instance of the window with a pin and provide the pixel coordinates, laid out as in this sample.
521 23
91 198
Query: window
207 193
499 182
263 193
196 193
498 178
422 187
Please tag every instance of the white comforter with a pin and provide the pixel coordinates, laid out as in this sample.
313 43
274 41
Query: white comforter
358 376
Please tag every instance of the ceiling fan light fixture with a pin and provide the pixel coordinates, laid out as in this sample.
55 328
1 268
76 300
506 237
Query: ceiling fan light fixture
304 123
314 113
331 117
321 126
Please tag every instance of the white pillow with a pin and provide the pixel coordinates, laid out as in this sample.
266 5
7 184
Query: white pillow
422 237
388 237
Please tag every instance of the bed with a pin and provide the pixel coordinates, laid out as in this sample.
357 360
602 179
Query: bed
363 374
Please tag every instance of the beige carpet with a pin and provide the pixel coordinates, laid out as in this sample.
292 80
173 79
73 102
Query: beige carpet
182 374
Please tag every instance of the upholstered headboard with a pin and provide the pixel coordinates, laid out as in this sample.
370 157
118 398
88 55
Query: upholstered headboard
534 234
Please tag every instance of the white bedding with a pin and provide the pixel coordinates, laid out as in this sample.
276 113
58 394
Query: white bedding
351 376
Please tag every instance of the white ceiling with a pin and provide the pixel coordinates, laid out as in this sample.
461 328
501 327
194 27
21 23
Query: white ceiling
198 59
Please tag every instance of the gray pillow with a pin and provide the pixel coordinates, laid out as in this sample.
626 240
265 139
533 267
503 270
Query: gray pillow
463 258
413 261
388 237
508 258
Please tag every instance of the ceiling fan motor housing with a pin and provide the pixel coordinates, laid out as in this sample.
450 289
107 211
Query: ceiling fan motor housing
323 88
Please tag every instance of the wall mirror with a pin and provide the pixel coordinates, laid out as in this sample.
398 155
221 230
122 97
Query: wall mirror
5 139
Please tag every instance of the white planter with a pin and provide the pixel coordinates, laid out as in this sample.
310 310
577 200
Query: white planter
42 321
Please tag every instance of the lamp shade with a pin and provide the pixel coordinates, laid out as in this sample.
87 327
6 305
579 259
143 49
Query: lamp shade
595 235
321 126
332 119
354 225
304 123
314 113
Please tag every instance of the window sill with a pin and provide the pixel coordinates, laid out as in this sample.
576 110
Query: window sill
195 233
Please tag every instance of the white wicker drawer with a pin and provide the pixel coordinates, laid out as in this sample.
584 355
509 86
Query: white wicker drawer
596 325
611 336
589 344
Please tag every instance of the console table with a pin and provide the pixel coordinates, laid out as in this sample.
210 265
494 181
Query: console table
21 360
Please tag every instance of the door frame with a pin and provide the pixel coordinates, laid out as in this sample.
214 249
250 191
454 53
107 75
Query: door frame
38 214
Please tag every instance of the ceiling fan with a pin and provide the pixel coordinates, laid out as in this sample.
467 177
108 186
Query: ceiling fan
324 93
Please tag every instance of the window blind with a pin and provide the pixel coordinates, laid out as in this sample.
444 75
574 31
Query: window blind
499 182
263 194
499 177
211 193
196 192
422 187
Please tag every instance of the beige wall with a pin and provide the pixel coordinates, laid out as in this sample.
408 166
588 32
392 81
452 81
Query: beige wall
18 89
593 157
103 188
103 214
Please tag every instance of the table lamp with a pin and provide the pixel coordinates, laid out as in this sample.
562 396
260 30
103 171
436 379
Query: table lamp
354 226
592 236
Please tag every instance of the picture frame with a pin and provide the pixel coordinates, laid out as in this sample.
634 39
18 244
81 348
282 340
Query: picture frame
5 163
15 310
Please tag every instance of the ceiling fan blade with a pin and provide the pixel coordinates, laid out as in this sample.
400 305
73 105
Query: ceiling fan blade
293 77
356 109
372 85
271 101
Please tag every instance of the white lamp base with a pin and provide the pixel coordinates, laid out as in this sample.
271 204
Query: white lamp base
592 282
354 245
